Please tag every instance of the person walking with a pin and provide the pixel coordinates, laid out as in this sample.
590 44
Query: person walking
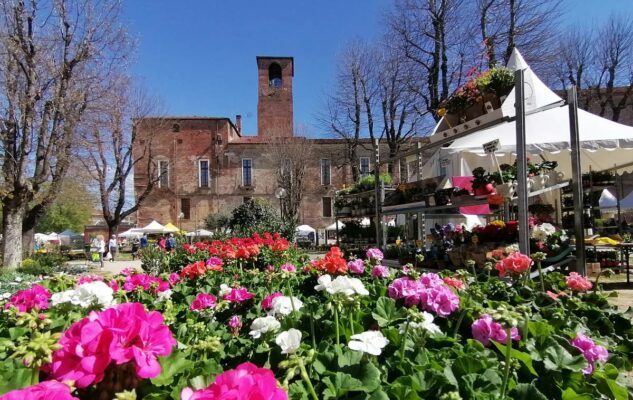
98 244
144 241
135 245
170 244
113 247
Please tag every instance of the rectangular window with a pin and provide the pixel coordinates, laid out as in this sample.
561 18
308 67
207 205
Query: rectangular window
364 166
185 208
247 172
203 173
327 206
163 174
326 167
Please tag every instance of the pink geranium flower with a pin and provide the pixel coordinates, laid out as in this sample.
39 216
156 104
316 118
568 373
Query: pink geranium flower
515 264
287 267
35 297
120 334
245 382
47 390
173 278
267 303
591 351
356 266
375 254
380 271
238 295
430 293
203 301
235 323
454 282
577 282
486 329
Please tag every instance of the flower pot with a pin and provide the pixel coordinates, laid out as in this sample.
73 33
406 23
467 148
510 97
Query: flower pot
484 190
476 110
505 189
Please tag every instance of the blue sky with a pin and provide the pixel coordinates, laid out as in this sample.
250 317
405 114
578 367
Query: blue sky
198 56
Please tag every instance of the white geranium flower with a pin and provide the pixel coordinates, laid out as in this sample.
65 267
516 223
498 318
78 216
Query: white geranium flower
262 325
18 279
347 286
370 342
163 296
542 231
85 295
426 325
5 296
224 289
289 341
325 282
283 305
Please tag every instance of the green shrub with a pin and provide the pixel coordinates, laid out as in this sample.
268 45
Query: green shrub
52 261
33 267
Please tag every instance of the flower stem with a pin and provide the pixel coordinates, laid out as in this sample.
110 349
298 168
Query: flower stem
404 342
306 379
540 275
351 320
506 372
312 328
338 343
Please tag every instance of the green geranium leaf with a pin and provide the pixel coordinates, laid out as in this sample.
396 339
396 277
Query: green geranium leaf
527 391
570 394
378 395
15 376
556 357
169 367
525 358
341 385
386 312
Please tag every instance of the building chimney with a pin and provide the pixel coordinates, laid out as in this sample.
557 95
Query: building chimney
238 123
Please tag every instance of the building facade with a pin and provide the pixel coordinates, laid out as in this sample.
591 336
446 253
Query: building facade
205 165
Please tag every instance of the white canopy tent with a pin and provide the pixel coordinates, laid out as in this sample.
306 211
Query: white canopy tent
154 227
132 233
199 233
44 237
332 227
305 230
604 144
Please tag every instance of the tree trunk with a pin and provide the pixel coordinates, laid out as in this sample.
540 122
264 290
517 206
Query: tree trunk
12 237
28 240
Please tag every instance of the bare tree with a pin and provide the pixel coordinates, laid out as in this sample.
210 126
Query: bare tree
430 35
614 58
343 115
289 157
109 146
397 102
53 54
526 24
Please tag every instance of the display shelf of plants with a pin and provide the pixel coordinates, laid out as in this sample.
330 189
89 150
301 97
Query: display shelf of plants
429 196
475 104
593 185
358 201
253 318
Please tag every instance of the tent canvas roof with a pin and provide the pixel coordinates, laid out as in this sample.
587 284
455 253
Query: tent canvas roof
171 228
200 232
604 143
153 227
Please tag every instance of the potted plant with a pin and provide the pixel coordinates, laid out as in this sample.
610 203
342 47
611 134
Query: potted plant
482 182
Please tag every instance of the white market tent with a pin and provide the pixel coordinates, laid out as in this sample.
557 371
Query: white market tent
305 230
332 227
199 233
604 144
132 233
43 237
154 227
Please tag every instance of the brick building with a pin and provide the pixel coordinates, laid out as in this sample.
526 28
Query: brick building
206 165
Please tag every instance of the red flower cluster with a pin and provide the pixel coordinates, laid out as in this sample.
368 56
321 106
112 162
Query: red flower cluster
198 269
240 248
333 262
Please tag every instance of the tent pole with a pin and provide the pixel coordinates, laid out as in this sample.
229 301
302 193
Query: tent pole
522 198
618 195
419 226
576 180
377 190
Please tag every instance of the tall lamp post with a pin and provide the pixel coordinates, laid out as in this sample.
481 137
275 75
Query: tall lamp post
281 194
180 217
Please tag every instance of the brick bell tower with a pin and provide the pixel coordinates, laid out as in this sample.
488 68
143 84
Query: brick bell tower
274 96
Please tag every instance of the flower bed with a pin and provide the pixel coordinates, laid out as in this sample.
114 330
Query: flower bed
248 319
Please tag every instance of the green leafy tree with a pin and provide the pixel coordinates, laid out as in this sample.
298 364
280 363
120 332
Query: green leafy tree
259 216
71 209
